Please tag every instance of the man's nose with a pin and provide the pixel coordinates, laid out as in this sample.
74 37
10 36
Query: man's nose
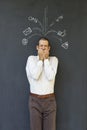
43 47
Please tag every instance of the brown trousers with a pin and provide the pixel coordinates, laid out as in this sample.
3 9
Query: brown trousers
42 113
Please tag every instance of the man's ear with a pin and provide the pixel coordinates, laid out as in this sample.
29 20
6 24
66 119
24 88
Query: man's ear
37 47
49 48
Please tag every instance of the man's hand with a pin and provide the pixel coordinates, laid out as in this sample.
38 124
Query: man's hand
41 54
46 54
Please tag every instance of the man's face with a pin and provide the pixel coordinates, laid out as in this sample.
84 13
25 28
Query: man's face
43 45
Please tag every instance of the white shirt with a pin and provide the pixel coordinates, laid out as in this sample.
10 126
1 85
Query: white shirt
41 74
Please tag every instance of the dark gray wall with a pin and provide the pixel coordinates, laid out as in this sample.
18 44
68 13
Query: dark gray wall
71 80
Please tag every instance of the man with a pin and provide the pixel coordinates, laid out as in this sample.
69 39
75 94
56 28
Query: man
41 71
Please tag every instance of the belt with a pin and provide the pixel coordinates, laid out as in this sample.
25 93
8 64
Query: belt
42 96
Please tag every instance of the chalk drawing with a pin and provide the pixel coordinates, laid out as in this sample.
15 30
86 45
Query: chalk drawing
35 34
51 24
50 31
36 29
43 29
27 31
65 45
24 41
62 34
59 18
30 18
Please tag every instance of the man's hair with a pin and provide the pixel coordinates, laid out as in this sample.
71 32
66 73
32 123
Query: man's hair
45 39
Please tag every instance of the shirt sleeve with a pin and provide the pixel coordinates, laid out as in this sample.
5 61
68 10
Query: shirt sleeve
33 68
51 68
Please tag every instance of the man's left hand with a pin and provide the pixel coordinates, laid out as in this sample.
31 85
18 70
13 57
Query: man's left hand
46 54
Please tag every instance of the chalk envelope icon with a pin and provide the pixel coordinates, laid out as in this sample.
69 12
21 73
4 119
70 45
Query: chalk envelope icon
27 31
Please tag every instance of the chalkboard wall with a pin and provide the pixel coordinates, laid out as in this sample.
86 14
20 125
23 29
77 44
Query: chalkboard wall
22 22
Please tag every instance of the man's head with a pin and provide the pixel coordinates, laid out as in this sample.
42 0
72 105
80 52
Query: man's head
43 44
43 48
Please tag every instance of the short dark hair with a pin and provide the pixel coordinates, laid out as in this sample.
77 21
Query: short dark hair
44 38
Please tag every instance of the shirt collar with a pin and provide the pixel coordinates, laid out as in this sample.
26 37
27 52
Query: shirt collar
38 57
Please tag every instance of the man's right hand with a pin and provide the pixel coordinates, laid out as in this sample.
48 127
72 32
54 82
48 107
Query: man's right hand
41 54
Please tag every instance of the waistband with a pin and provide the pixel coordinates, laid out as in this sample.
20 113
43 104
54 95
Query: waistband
43 96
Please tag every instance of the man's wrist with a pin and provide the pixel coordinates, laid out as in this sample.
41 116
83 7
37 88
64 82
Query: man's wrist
46 62
41 59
